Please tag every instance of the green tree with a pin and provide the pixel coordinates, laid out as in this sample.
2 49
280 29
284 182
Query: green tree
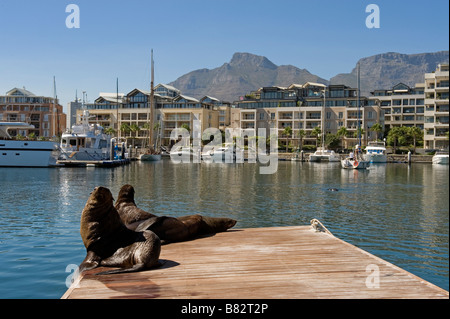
134 128
417 134
377 128
342 134
316 132
110 131
332 141
186 126
288 133
125 128
301 135
396 136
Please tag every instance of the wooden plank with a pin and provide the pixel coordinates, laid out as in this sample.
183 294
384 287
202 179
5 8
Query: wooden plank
260 263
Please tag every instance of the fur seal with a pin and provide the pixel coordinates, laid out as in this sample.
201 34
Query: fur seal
168 229
110 243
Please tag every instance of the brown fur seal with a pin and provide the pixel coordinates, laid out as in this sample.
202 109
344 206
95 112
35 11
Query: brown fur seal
168 229
109 242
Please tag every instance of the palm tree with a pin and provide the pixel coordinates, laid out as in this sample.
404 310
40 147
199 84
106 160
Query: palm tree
301 135
416 133
393 136
287 132
134 128
342 133
110 131
125 129
377 128
316 132
186 126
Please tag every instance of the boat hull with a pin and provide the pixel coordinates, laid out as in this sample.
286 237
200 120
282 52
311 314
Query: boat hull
440 160
353 164
376 158
28 153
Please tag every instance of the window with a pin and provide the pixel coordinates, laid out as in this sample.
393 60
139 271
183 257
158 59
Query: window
341 115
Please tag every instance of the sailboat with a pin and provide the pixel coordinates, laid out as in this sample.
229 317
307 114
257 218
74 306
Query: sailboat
356 160
152 154
322 153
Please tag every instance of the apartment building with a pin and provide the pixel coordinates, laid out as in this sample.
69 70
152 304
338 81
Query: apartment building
401 105
171 110
305 107
45 113
436 114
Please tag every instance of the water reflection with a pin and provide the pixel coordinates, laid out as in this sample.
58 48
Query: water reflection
396 211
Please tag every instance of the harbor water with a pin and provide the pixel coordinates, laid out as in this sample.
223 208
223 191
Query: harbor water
397 212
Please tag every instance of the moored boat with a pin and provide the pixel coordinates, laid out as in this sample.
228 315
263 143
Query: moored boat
440 157
324 155
376 152
25 153
355 160
86 142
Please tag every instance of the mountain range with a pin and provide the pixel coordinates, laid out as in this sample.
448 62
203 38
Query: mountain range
247 72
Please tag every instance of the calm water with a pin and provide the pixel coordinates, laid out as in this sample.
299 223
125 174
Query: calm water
394 211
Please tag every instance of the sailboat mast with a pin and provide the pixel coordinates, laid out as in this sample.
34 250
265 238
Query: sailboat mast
152 96
53 107
117 105
359 106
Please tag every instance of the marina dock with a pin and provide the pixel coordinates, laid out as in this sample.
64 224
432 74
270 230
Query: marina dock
261 263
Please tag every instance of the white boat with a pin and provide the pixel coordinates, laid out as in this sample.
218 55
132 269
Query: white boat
25 153
355 163
184 154
356 160
376 152
440 157
86 142
324 155
218 155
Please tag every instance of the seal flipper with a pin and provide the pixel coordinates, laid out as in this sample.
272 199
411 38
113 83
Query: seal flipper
90 262
135 268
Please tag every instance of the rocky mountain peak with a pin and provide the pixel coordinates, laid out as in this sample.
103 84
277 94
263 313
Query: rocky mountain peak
240 59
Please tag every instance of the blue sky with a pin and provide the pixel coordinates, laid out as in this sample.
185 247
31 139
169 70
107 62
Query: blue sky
115 38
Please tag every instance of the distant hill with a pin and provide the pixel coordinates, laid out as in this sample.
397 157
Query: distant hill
244 73
248 72
383 71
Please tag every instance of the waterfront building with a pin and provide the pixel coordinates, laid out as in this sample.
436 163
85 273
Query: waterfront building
437 108
401 105
305 107
171 110
45 113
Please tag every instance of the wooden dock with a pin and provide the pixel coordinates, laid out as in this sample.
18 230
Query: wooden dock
261 263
